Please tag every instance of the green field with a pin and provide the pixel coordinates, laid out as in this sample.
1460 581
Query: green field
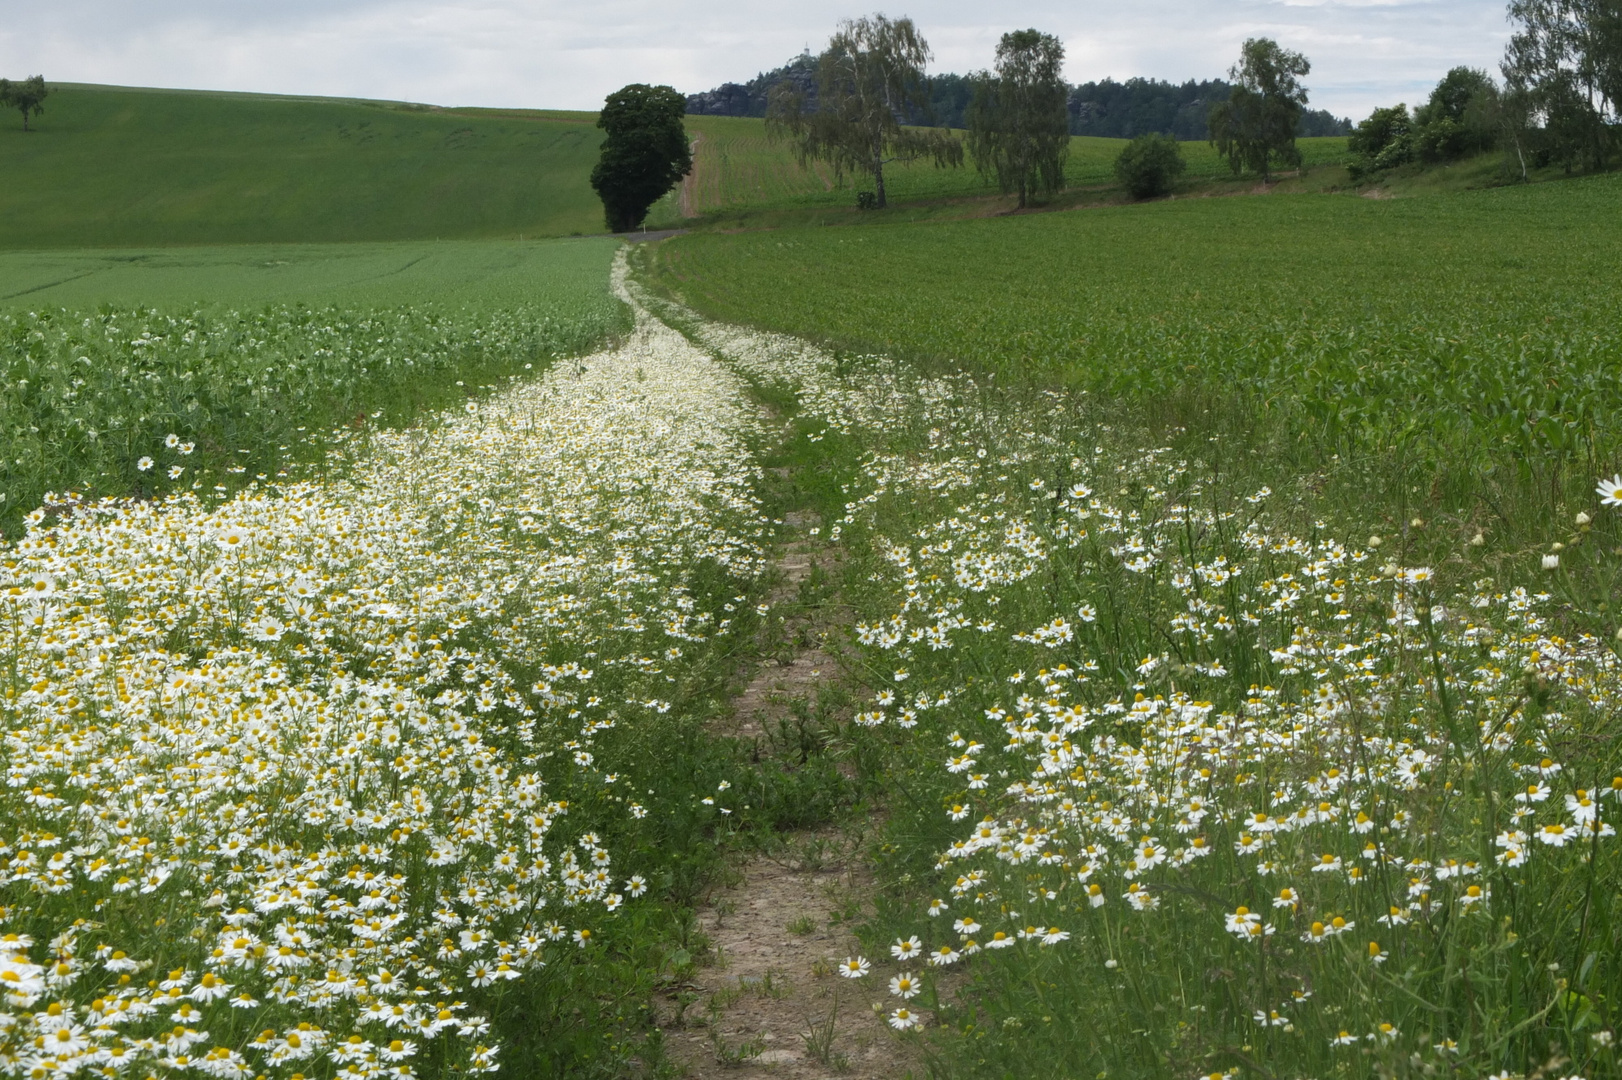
252 354
482 273
1476 330
737 167
116 167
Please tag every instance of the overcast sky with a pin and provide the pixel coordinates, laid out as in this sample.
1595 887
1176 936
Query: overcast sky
553 54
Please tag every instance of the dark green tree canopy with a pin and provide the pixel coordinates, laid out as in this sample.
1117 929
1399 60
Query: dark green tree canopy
869 79
1256 125
1383 128
27 97
1383 141
1463 116
1453 95
644 154
1019 119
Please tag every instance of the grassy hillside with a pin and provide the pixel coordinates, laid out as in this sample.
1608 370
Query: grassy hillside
736 167
111 167
119 167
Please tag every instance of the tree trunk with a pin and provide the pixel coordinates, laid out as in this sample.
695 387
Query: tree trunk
25 119
878 182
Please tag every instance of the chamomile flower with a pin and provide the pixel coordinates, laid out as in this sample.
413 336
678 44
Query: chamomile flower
903 1018
1610 491
907 949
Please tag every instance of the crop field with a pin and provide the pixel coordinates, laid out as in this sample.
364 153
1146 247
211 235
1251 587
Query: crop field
487 274
216 168
1475 333
736 166
198 370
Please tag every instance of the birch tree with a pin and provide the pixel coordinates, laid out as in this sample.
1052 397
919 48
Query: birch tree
1019 120
869 79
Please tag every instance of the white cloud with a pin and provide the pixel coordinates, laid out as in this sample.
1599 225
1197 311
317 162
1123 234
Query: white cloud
546 53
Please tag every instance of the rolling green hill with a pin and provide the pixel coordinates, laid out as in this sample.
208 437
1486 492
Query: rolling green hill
736 167
118 167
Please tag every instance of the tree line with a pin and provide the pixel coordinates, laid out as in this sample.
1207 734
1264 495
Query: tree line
870 82
865 102
855 109
1560 101
1103 108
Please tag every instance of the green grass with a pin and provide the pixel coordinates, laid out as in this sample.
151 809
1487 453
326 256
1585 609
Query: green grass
738 168
252 355
110 167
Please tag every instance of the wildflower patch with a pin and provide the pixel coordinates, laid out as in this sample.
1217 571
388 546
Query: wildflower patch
288 778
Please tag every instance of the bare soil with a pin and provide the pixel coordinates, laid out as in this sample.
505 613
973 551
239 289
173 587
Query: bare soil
772 1003
688 199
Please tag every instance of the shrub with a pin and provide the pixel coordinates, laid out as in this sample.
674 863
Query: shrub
1461 117
1149 165
1383 141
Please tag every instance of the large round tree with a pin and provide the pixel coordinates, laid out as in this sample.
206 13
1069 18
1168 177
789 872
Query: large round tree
644 155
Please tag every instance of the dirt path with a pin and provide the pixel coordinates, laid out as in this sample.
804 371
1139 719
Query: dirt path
773 1003
688 199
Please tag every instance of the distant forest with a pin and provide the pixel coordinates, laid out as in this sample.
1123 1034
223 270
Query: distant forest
1117 110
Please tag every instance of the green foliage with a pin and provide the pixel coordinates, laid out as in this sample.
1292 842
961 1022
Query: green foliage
146 168
1563 74
1462 116
1383 141
27 97
1149 165
88 392
869 77
1019 125
1256 125
644 154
